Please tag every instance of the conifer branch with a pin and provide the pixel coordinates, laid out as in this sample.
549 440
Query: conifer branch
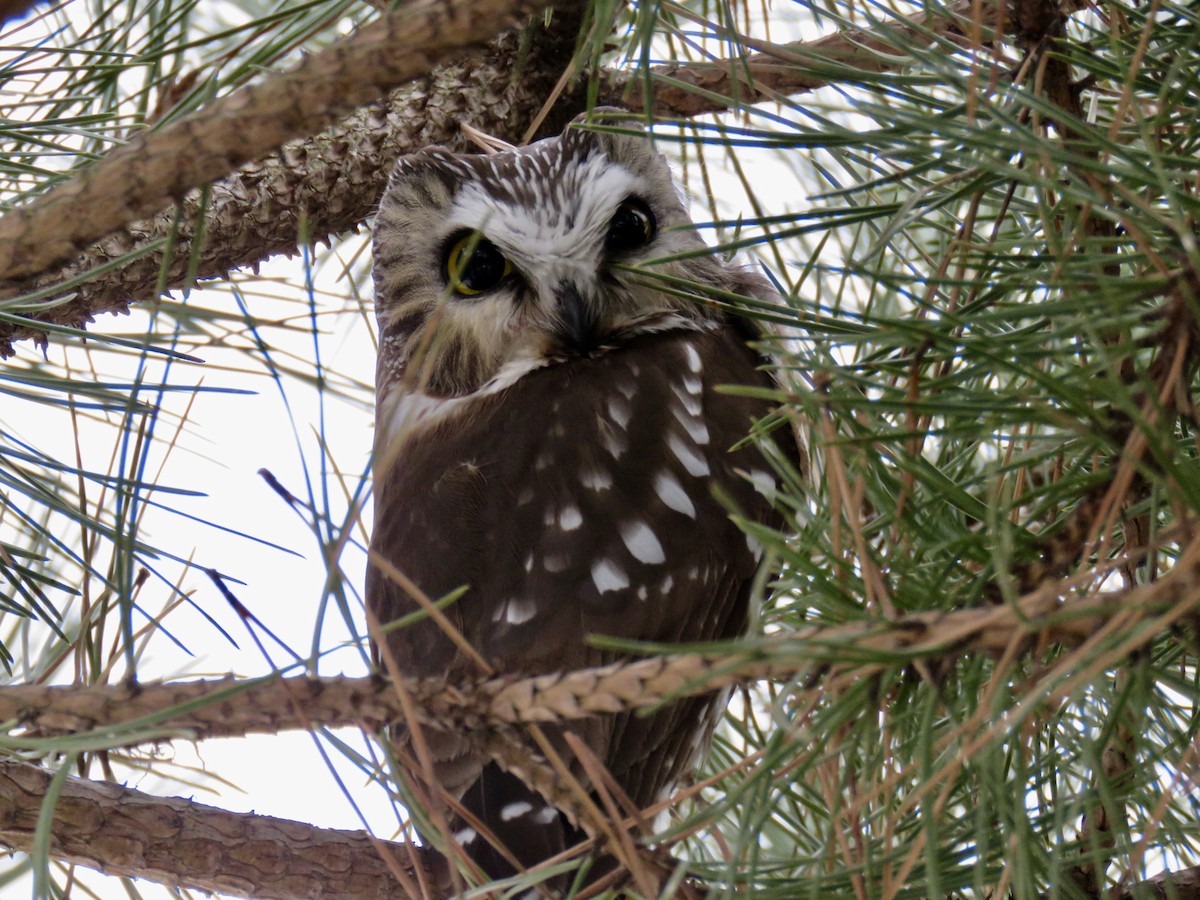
200 710
181 843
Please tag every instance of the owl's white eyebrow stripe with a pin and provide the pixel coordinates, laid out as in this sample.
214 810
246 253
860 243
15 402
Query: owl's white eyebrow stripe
540 231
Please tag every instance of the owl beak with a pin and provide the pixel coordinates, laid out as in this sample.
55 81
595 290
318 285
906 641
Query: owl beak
577 326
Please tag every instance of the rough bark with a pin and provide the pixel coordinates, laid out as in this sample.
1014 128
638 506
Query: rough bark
198 710
183 844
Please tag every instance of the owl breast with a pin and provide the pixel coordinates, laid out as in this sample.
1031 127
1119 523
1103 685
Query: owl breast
591 497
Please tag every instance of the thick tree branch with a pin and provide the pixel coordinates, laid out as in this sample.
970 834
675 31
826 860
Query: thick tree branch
332 182
140 177
184 844
134 714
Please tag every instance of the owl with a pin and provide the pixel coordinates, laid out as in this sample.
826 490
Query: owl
555 453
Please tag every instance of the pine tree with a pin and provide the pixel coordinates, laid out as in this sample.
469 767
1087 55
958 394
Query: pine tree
975 673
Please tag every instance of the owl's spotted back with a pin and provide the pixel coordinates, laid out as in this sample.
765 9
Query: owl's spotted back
551 435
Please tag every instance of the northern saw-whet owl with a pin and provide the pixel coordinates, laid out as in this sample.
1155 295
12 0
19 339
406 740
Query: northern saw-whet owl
551 434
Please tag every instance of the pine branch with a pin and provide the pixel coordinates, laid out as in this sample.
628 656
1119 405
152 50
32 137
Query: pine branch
332 181
189 845
184 844
201 710
139 178
325 186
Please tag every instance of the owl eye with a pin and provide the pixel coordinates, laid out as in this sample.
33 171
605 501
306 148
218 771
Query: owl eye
474 265
632 226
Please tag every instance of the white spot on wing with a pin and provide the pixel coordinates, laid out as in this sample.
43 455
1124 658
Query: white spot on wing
512 810
692 357
688 399
545 815
763 483
596 478
642 542
690 459
556 562
667 584
672 494
466 835
620 410
519 611
614 442
755 548
695 428
608 576
570 518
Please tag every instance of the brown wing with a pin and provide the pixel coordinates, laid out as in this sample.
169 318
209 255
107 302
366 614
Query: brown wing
583 500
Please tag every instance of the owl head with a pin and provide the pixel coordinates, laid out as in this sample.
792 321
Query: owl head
494 264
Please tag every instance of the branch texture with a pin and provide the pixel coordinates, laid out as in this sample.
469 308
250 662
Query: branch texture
184 844
138 179
226 708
